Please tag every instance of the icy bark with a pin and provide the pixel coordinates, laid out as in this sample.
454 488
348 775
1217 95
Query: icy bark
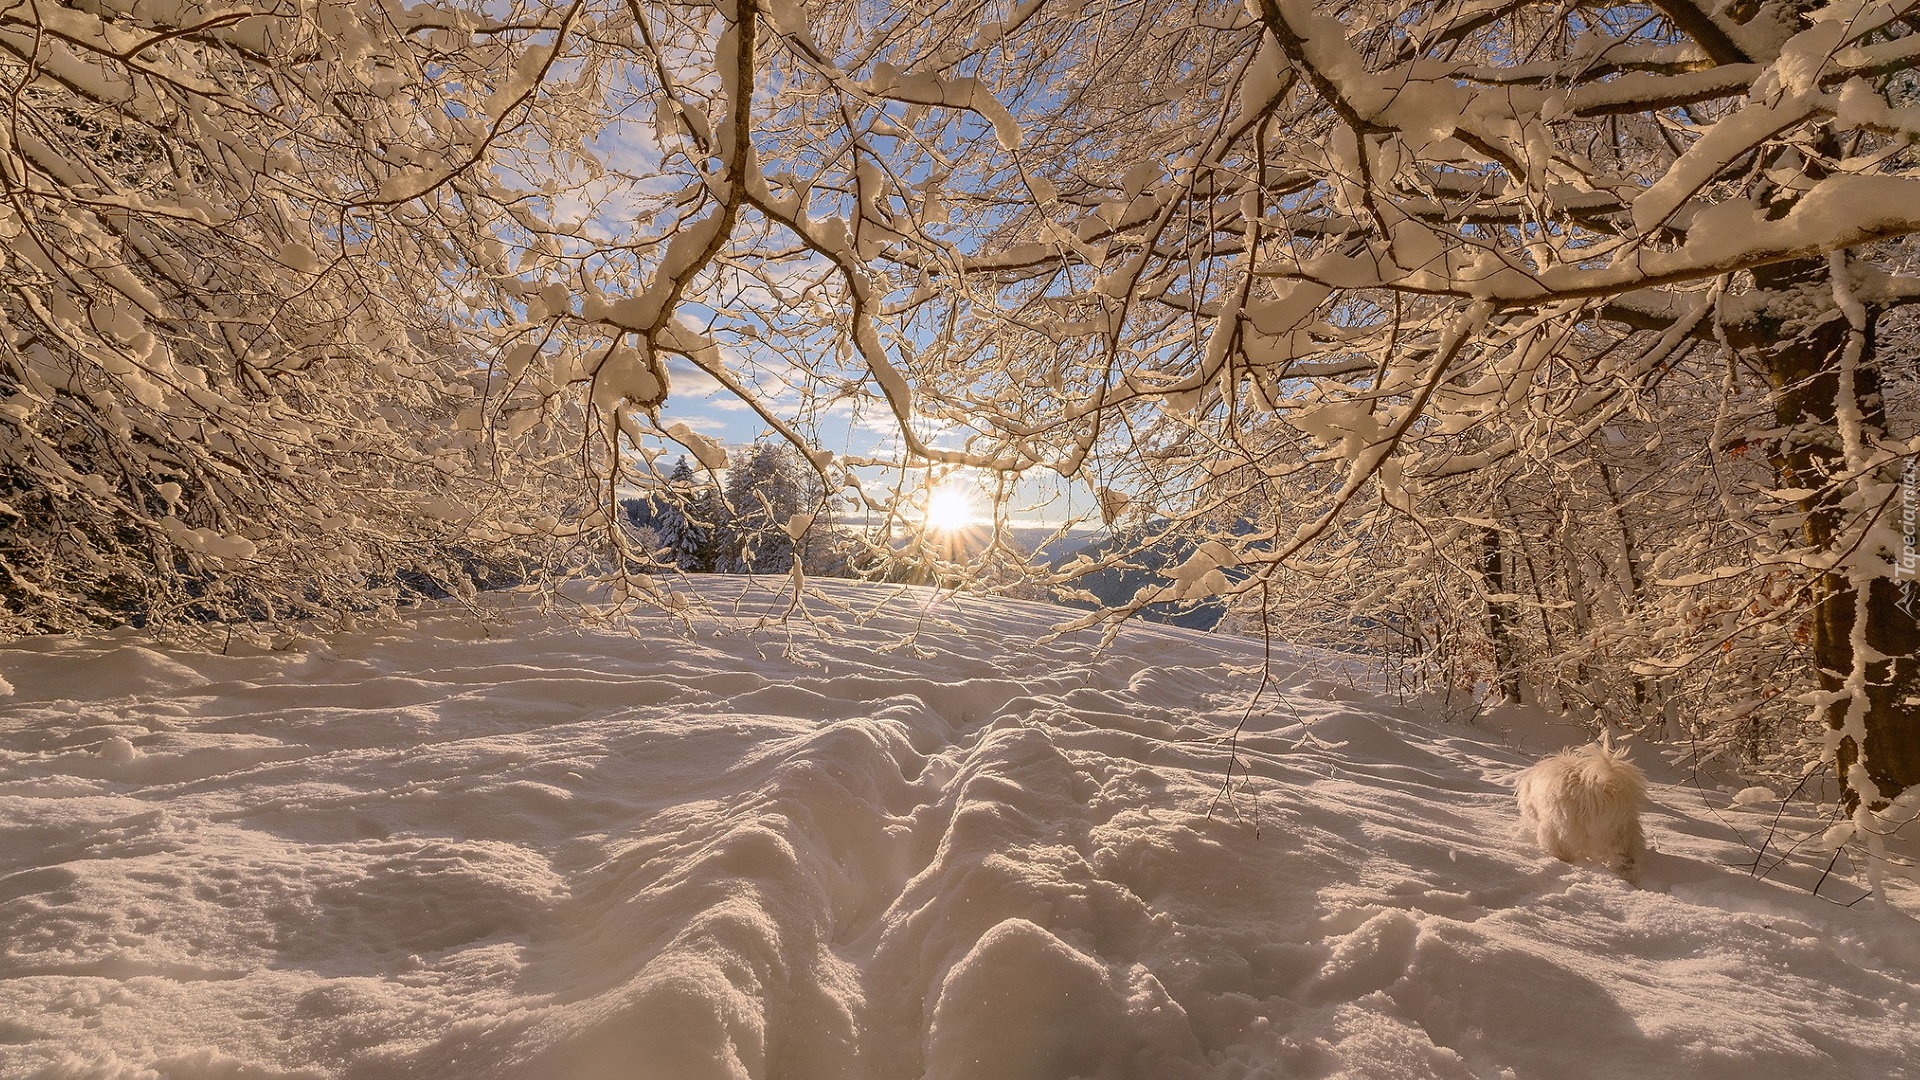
1828 392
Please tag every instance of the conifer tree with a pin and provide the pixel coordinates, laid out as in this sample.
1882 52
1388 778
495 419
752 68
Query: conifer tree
680 538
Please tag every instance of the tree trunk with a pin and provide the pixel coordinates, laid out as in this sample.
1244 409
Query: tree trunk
1500 616
1633 580
1582 612
1799 341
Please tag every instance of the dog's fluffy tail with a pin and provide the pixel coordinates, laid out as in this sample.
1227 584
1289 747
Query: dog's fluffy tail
1583 805
1605 765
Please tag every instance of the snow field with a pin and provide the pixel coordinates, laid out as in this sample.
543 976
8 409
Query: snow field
879 846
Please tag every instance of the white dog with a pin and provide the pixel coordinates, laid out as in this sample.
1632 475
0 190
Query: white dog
1584 806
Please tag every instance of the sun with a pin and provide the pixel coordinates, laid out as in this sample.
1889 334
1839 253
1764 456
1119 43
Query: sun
949 508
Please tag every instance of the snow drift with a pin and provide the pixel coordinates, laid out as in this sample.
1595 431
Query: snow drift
866 844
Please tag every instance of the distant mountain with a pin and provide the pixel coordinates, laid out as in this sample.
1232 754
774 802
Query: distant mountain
1040 542
1118 585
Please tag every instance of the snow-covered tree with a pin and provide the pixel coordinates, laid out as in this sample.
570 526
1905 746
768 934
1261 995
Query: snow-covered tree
1432 245
680 535
292 292
672 516
245 249
774 513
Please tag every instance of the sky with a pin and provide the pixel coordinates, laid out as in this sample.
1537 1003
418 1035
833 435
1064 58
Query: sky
1042 498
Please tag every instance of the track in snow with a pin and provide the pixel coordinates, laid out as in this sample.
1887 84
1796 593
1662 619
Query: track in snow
913 845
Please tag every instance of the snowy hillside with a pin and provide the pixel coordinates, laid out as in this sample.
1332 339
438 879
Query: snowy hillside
911 845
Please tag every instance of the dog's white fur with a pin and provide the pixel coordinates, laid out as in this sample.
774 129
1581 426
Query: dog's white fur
1584 806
